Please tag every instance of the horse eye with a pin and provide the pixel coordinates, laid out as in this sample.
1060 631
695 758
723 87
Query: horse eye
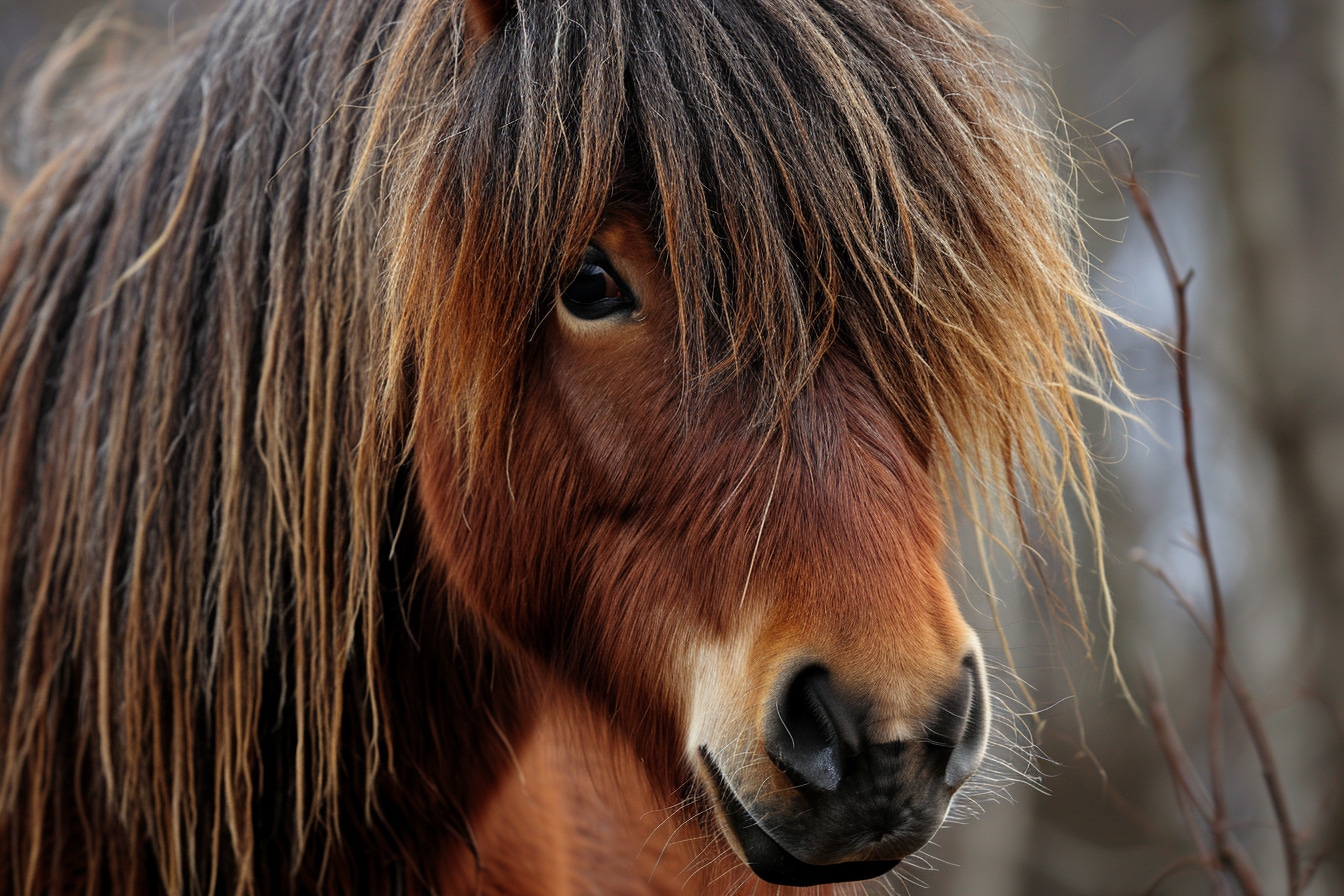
595 293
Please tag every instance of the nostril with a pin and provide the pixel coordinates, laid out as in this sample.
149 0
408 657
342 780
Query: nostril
972 725
814 732
953 716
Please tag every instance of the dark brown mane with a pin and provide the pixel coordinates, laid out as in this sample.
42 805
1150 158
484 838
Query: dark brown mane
230 305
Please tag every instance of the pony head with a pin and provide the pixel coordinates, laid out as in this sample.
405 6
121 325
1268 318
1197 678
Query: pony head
373 365
767 274
763 604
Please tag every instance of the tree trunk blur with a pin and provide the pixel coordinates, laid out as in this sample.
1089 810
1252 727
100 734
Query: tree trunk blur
1272 115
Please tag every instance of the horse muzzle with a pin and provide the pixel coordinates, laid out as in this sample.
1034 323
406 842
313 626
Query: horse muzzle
846 803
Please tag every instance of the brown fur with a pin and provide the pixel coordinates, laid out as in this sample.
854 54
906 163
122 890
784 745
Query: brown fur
307 499
576 815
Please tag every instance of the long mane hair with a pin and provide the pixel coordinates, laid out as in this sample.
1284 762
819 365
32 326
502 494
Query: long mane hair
245 273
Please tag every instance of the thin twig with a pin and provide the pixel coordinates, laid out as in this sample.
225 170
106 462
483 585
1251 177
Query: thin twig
1188 795
1250 715
1171 871
1223 674
1324 810
1179 285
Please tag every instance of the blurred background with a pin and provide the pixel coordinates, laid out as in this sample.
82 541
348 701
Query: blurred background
1231 113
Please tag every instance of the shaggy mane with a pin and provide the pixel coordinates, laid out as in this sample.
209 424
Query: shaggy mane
230 300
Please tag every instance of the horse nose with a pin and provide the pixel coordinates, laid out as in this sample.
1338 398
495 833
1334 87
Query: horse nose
867 797
817 734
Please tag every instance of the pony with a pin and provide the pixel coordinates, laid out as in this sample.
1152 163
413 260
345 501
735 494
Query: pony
425 421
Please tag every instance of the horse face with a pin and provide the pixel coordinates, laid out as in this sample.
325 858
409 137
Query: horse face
769 610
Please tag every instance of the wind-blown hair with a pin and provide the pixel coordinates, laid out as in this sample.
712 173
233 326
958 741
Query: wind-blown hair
233 295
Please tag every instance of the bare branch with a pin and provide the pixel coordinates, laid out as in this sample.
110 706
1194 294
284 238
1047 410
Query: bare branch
1171 871
1189 793
1179 285
1250 715
1224 674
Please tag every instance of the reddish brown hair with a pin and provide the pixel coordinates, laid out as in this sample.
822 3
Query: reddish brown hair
233 296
